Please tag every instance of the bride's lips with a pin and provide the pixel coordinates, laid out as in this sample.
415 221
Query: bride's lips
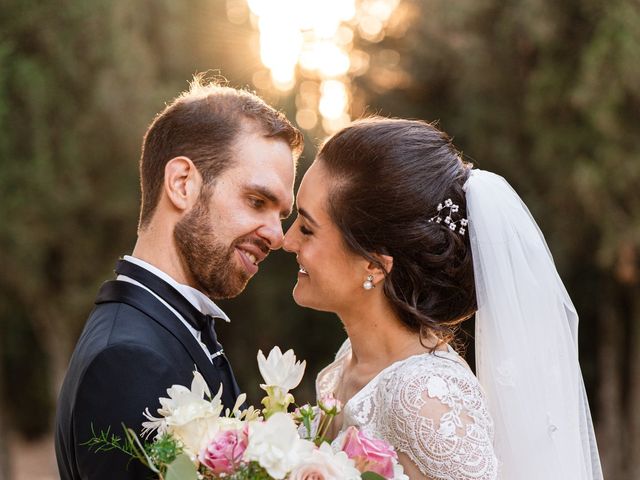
302 272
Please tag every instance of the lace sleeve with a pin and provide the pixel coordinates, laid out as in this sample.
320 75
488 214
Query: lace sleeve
436 416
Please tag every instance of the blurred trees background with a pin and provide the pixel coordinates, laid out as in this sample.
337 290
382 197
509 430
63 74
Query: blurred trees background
545 93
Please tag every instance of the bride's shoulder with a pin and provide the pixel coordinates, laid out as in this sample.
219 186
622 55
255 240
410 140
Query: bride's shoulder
433 403
429 371
434 361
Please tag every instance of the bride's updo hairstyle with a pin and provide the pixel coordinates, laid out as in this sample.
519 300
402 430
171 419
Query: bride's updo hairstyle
387 178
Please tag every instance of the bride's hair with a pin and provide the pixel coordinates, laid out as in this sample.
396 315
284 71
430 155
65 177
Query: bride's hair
388 177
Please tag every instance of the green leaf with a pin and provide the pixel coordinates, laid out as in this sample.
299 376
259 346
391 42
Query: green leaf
181 469
371 476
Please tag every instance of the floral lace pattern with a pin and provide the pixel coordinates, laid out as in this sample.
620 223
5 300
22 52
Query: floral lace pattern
429 407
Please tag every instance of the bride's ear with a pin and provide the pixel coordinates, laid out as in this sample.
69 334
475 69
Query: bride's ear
374 269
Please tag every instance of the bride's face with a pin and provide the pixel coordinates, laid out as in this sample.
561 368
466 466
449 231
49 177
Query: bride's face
330 276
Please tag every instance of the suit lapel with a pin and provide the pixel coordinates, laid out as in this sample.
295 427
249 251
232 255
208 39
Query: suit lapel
147 303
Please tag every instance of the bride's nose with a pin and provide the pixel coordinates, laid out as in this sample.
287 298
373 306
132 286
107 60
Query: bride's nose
289 243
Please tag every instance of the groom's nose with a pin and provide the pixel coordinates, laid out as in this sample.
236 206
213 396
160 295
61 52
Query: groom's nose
272 233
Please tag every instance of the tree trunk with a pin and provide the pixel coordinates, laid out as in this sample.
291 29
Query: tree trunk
5 466
55 342
610 425
634 386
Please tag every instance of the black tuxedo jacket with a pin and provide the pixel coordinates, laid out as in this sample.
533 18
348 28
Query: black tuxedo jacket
131 350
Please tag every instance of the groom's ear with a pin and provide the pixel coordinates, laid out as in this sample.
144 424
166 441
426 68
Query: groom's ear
379 273
182 183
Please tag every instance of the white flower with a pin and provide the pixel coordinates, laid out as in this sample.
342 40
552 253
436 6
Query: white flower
230 423
248 415
187 415
398 472
448 202
326 464
276 446
281 370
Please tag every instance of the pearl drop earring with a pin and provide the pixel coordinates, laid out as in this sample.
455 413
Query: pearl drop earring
368 283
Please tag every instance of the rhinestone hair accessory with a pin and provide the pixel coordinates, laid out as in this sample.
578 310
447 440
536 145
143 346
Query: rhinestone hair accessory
446 214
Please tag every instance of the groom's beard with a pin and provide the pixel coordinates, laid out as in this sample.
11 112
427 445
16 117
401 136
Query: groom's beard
212 264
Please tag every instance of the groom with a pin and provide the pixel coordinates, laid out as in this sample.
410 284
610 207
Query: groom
217 172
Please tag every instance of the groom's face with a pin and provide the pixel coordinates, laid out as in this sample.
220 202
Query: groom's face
238 219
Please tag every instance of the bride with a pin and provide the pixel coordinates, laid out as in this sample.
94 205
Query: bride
404 241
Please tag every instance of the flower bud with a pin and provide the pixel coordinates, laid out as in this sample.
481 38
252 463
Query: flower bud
329 404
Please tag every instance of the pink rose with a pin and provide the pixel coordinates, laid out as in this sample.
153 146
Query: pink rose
225 451
313 471
325 464
369 454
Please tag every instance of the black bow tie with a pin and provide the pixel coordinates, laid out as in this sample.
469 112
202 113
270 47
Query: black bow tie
194 317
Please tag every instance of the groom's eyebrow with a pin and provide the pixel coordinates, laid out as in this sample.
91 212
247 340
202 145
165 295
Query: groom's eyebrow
272 197
306 215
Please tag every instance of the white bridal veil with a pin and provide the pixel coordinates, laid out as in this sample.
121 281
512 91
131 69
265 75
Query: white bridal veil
526 342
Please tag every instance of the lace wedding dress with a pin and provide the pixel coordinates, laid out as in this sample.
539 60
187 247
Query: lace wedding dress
429 407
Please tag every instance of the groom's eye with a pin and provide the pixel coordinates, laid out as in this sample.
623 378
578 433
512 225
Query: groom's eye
305 231
256 202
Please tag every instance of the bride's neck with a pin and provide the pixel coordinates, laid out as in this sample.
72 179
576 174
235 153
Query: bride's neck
378 336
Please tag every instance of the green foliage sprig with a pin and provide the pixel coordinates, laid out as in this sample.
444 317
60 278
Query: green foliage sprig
105 441
157 455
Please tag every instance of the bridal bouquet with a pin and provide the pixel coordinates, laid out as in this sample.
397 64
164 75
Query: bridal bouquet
194 439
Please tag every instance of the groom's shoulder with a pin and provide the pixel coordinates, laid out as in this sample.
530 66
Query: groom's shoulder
121 322
113 327
117 341
117 331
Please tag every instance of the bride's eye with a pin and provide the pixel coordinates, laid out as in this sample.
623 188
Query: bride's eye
305 231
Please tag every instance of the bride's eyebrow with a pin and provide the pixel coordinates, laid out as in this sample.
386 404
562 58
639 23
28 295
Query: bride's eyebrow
308 217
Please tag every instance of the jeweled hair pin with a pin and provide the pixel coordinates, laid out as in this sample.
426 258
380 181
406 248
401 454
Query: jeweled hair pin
445 215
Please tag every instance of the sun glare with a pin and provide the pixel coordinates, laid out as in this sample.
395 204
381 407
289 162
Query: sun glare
308 44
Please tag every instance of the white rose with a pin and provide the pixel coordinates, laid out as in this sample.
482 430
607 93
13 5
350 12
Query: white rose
276 446
280 370
195 434
230 423
325 464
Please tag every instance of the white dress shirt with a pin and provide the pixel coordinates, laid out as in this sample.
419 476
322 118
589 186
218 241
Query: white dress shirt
198 299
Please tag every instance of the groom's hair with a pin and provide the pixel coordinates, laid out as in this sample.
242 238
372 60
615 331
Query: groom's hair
203 124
